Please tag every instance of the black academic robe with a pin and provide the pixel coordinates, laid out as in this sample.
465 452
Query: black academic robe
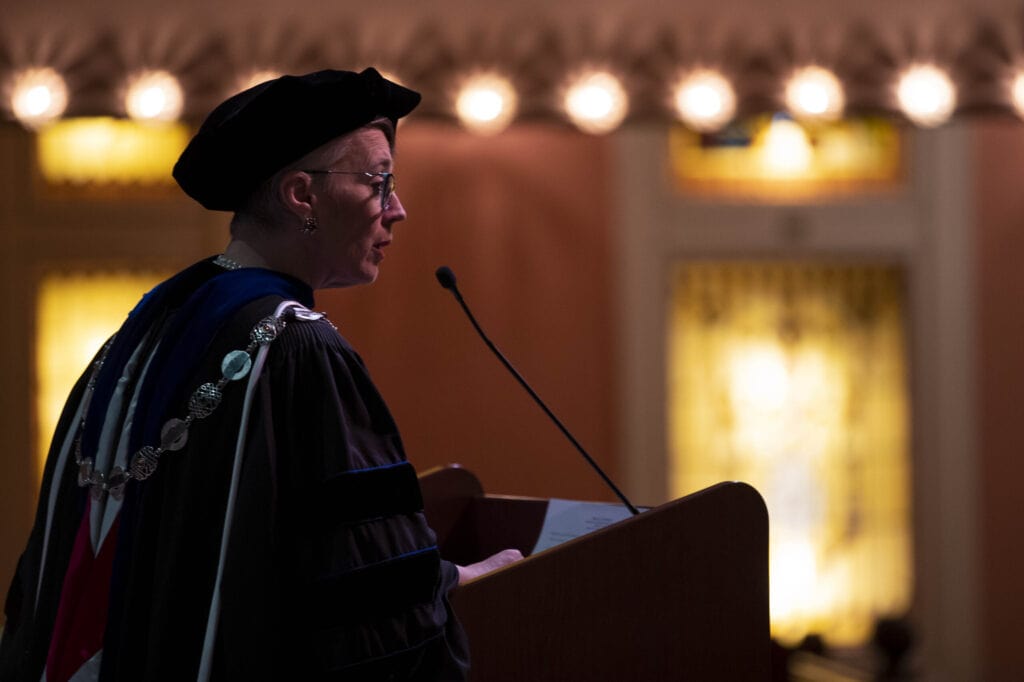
331 570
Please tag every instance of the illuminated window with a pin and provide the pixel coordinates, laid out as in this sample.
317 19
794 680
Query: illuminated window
98 151
777 159
75 314
793 378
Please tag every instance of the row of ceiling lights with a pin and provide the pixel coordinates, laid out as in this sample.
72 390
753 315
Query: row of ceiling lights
705 100
596 102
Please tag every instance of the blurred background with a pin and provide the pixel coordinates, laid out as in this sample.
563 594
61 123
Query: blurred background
771 242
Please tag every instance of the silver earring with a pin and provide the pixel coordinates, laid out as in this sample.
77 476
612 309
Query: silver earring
309 226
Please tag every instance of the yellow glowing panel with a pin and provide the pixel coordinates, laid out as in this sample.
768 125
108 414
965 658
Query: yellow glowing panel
107 150
793 378
75 314
778 159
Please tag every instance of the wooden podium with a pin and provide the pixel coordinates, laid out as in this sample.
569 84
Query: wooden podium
679 592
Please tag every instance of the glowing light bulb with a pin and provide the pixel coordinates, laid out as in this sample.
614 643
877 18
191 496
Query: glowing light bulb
1017 93
705 101
154 96
486 103
814 92
926 95
596 102
38 96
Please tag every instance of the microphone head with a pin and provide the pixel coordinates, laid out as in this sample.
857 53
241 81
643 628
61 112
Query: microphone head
446 277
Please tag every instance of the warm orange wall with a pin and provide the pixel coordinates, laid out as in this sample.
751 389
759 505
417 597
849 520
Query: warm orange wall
523 220
999 188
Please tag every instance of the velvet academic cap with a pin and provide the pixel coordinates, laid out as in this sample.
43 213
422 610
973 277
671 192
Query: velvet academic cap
259 131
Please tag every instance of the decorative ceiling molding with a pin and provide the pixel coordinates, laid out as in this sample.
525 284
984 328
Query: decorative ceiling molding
648 46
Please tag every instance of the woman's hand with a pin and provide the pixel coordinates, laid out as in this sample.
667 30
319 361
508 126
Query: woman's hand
491 563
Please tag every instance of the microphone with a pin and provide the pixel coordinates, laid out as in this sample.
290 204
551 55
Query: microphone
446 278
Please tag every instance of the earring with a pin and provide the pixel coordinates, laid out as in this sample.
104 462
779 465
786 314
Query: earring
309 226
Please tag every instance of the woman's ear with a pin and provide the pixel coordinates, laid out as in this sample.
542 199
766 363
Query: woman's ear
295 191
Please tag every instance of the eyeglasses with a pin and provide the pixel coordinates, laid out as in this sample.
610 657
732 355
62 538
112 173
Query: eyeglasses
387 185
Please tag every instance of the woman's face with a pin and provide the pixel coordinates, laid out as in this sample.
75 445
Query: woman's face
353 230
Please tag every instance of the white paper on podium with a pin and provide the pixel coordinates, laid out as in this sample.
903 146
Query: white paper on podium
568 519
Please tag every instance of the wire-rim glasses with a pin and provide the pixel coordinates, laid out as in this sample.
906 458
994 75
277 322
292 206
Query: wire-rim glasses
387 185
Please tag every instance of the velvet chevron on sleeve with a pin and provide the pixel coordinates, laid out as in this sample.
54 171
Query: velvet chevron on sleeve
370 583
